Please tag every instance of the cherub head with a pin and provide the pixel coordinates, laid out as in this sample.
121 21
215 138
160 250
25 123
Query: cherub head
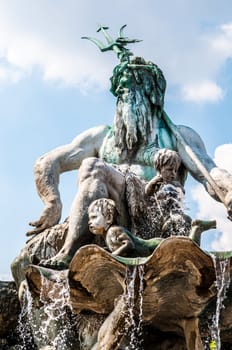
102 213
167 163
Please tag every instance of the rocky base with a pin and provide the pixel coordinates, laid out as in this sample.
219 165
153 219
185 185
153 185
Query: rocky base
152 338
87 323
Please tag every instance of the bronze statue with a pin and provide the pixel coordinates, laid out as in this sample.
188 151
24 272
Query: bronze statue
103 154
120 241
119 186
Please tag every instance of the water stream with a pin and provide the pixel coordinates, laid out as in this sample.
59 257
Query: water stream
49 324
55 324
25 321
222 269
170 205
134 300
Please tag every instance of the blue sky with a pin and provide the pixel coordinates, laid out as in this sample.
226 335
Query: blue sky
53 85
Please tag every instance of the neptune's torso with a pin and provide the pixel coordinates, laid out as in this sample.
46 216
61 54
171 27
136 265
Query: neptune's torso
141 161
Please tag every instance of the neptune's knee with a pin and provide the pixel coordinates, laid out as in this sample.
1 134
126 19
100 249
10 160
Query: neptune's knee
92 168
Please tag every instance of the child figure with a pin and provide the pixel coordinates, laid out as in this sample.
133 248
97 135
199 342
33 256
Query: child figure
120 241
167 163
102 213
169 193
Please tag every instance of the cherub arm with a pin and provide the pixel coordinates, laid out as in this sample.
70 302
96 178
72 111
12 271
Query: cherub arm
150 188
118 241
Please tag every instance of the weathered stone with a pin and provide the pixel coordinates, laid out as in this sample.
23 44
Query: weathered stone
41 246
178 284
178 281
9 308
96 279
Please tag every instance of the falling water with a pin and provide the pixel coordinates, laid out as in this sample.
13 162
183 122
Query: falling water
134 300
55 326
222 269
48 321
140 299
25 320
170 203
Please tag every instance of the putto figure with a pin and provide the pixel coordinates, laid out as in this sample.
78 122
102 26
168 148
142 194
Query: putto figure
168 194
103 154
120 241
167 163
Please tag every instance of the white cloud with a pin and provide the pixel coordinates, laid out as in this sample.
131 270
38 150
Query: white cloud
10 74
210 209
222 42
32 39
202 92
47 35
223 156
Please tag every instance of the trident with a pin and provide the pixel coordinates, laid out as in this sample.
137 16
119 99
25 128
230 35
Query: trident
117 45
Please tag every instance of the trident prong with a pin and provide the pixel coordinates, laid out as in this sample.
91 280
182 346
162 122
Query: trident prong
117 45
120 34
125 40
106 35
99 44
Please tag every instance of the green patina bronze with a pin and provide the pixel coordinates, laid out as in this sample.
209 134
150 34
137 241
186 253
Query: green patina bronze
118 45
143 260
140 86
221 254
178 275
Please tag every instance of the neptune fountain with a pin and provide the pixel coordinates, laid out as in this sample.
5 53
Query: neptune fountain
125 270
